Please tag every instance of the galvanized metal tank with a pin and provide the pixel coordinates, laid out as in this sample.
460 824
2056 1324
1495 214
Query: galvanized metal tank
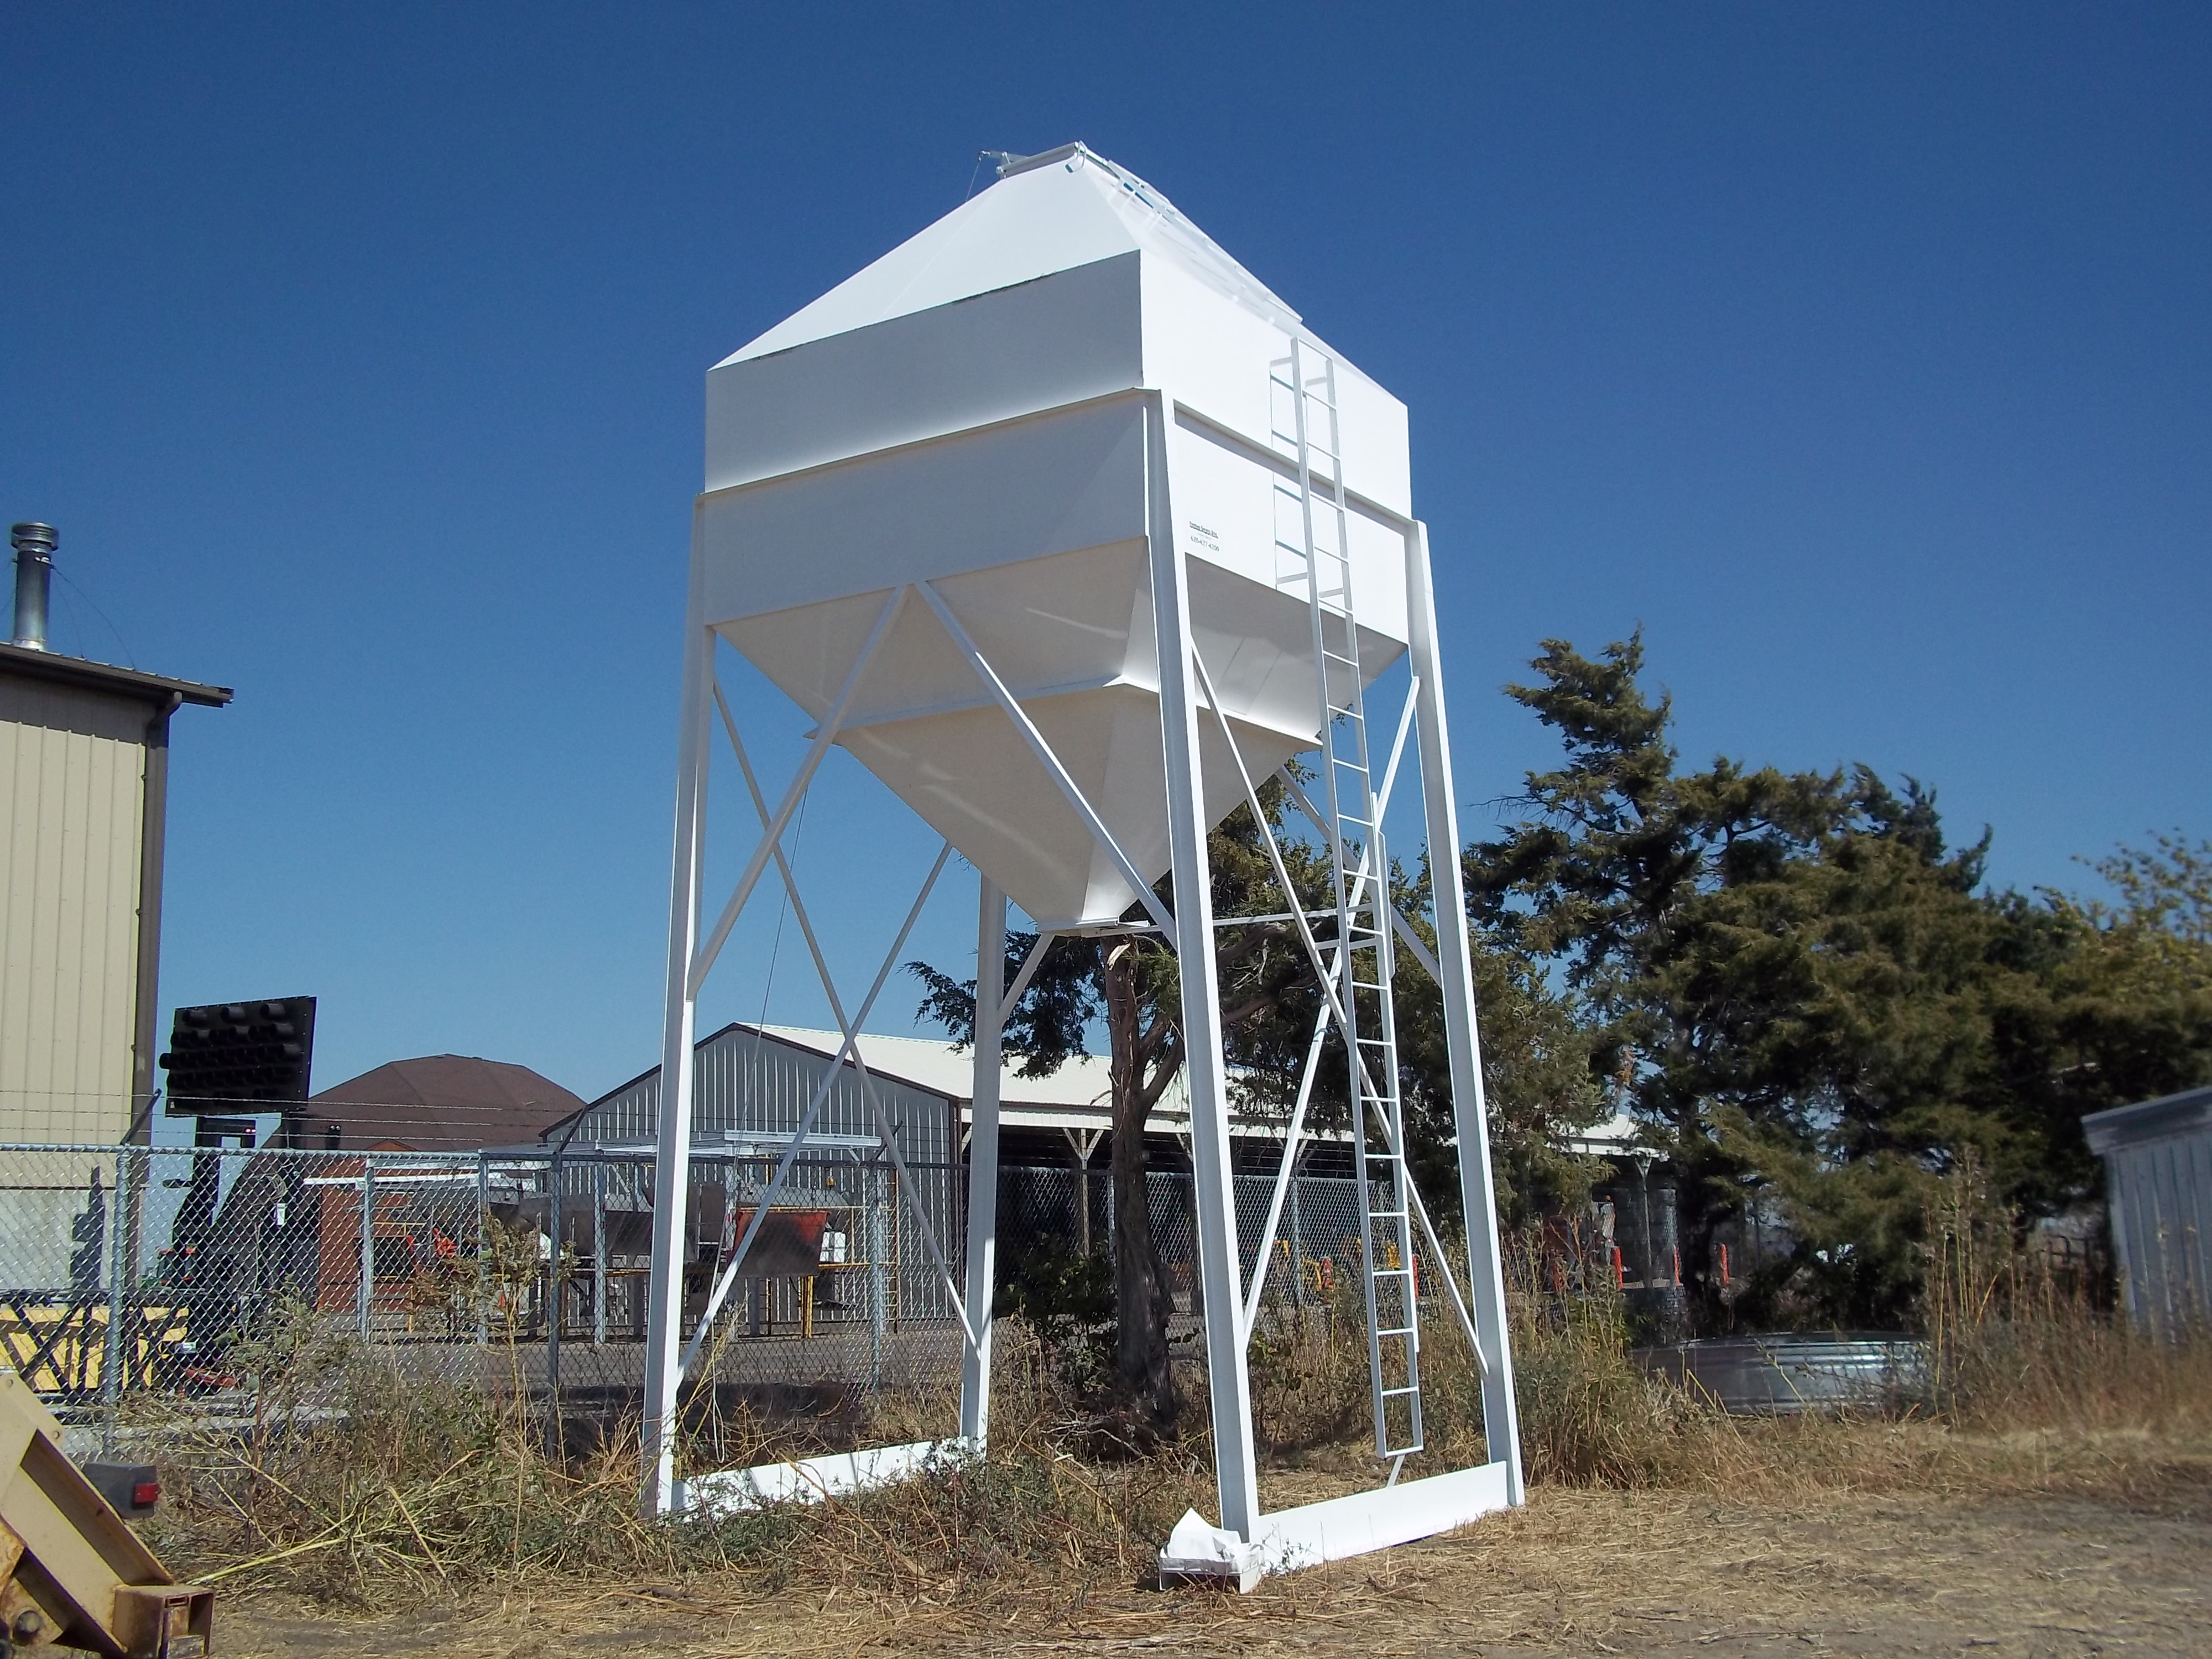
1790 1371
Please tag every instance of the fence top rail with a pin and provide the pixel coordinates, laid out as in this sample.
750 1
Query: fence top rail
383 1157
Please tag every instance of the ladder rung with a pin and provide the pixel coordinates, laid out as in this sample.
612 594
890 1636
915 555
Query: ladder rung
1394 1393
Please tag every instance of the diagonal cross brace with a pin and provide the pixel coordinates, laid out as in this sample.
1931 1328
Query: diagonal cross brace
772 837
846 1028
1283 1172
1051 762
1029 971
1335 1006
1399 925
729 1274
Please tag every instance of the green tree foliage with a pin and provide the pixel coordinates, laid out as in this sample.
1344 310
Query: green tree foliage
1806 991
1537 1081
1536 1057
1129 985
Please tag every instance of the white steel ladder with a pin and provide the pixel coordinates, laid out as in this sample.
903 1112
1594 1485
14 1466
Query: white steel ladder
1313 558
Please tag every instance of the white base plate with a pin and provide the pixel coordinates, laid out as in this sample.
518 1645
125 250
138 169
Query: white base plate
1331 1530
1367 1520
812 1479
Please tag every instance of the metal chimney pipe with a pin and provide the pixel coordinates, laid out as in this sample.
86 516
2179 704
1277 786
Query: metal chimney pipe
35 571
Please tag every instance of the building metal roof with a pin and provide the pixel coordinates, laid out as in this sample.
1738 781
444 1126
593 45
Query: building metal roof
439 1103
2148 1120
1618 1136
1078 1095
83 673
2157 1186
1077 1098
936 1065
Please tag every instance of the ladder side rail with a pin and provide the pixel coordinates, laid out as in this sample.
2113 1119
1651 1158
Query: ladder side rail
1370 893
1359 894
1391 1088
1347 975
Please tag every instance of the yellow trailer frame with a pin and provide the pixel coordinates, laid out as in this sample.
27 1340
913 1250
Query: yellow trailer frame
76 1575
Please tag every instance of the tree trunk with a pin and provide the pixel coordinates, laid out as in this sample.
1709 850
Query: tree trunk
1142 1301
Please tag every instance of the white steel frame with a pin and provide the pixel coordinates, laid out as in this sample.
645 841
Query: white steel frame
1394 1513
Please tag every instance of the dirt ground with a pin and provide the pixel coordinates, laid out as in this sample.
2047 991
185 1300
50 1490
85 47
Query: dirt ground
1662 1573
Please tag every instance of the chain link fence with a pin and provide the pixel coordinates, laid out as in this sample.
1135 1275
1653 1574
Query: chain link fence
1316 1238
136 1277
134 1273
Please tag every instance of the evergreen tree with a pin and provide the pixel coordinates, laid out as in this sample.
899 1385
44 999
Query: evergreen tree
1806 992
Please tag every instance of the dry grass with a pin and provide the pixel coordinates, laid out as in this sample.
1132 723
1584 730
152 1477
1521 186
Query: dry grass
396 1489
396 1492
2019 1344
2032 1388
1581 1571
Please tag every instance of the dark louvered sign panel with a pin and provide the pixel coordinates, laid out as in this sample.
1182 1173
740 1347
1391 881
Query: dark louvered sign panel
233 1054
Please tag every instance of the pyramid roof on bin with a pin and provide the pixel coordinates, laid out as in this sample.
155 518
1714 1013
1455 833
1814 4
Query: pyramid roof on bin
1050 212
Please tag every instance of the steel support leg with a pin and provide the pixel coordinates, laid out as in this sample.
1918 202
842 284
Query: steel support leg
983 1161
1470 1111
671 1168
1227 1377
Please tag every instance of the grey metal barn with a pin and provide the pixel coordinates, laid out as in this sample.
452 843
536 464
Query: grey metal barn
2158 1177
752 1082
752 1085
752 1088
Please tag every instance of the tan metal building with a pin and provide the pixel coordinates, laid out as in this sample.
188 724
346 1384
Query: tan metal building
84 797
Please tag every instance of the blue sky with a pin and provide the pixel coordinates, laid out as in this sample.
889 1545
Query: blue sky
1863 354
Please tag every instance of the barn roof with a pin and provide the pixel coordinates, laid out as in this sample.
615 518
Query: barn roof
439 1103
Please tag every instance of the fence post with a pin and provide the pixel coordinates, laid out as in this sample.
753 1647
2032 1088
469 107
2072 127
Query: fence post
877 1285
483 1254
598 1253
364 1298
553 1285
554 1309
1298 1244
111 1365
